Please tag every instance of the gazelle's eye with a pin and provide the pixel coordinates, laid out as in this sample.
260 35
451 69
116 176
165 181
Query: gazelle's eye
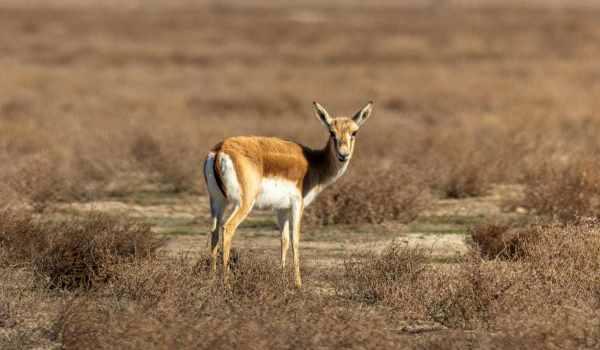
354 134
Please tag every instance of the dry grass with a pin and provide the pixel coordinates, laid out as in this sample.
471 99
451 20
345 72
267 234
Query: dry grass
380 299
398 195
74 253
553 268
501 241
389 277
567 192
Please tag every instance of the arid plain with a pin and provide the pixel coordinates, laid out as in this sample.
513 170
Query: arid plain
468 218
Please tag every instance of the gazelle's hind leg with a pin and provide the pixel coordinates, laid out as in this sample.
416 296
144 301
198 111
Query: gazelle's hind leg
217 209
283 222
239 213
218 205
241 194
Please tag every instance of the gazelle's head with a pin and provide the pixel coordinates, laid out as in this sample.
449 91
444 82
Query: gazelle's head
343 130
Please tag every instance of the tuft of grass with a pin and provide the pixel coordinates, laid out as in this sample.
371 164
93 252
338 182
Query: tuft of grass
502 241
388 277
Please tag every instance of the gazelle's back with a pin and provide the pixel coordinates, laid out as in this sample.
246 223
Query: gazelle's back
270 157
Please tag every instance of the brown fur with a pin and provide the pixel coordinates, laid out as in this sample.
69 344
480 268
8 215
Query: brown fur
268 156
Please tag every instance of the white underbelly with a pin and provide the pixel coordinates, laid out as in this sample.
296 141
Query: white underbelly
277 194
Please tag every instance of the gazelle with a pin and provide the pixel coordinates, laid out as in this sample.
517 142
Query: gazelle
269 172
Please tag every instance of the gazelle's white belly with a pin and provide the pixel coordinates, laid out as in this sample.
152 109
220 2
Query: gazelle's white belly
277 194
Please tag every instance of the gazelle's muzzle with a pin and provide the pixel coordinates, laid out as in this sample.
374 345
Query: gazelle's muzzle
343 150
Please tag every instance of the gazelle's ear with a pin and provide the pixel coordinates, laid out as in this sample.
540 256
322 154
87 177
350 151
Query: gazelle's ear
361 116
322 115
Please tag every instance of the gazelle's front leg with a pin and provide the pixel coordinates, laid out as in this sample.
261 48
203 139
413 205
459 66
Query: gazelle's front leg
296 218
283 221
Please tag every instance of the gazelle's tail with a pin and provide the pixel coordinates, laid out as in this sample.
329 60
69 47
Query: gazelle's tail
212 174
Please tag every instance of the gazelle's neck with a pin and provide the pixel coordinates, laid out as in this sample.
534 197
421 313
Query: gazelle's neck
333 168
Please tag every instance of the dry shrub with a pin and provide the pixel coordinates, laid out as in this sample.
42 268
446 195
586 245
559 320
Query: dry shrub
161 284
565 261
501 241
467 299
557 328
400 277
72 253
259 278
553 268
170 303
388 277
557 261
22 238
174 283
41 179
399 194
165 302
548 268
309 323
563 328
564 192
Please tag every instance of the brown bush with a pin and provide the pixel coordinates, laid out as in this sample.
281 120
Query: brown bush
176 284
374 197
549 267
306 324
388 277
21 237
467 299
501 240
400 277
563 260
566 192
555 267
39 181
71 254
163 302
159 283
170 301
567 328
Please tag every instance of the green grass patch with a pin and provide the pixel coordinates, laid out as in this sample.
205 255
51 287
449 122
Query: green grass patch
182 231
260 223
427 228
165 221
465 220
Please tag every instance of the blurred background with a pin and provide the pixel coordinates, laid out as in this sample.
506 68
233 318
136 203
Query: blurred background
116 97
